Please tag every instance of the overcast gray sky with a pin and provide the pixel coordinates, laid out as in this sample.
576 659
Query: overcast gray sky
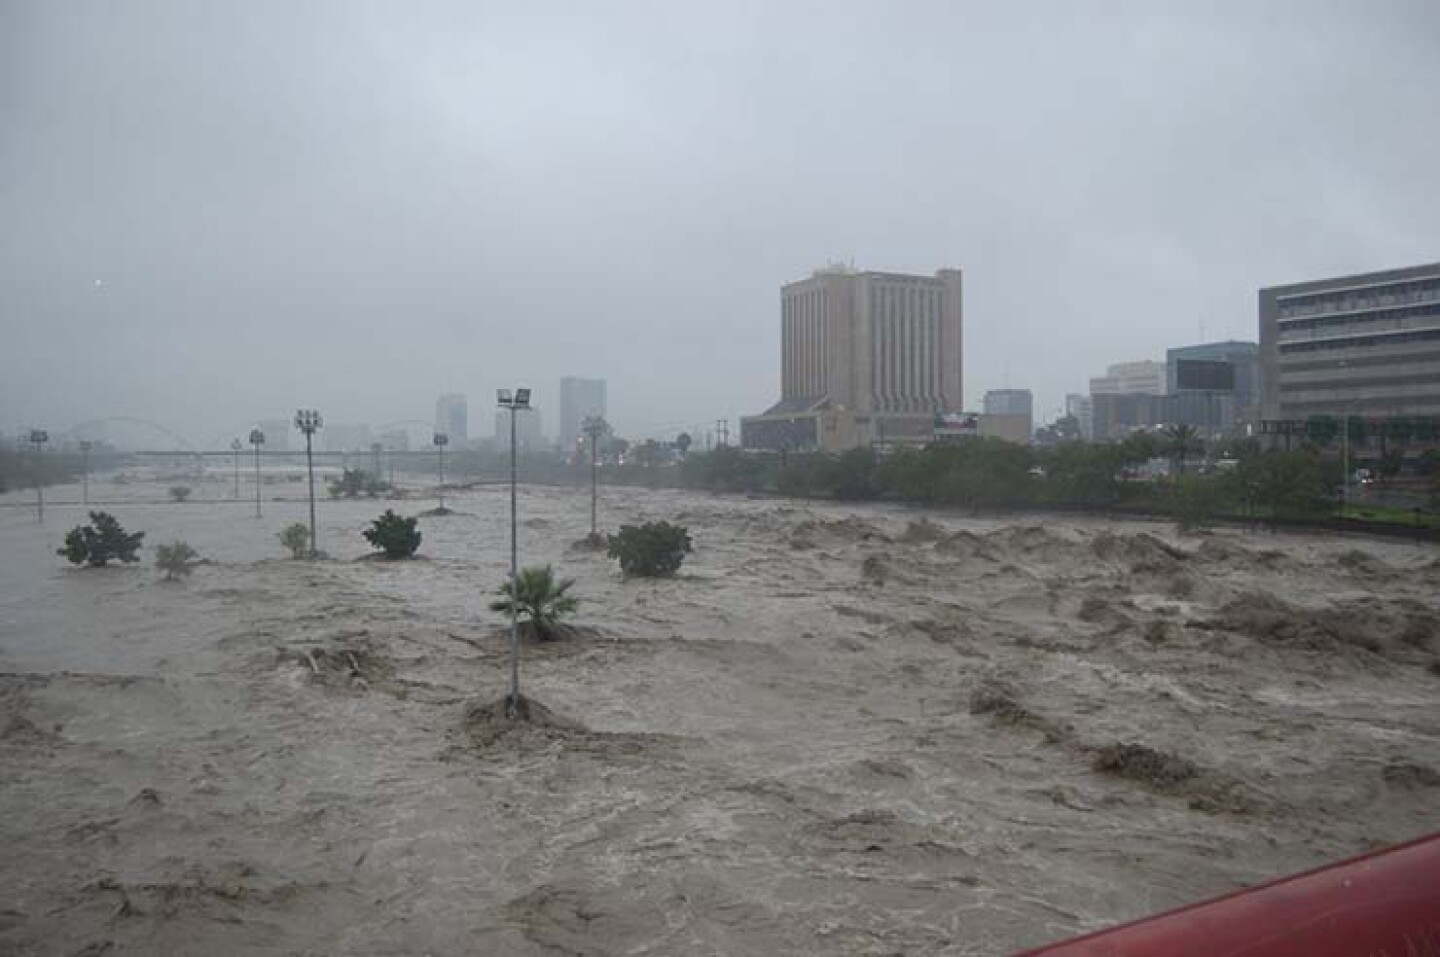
211 213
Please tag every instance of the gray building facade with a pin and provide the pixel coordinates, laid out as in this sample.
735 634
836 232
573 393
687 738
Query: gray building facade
1365 345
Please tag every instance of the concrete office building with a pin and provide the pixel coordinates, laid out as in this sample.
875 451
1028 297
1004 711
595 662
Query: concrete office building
452 418
579 399
1362 345
1130 378
1082 409
865 357
1213 387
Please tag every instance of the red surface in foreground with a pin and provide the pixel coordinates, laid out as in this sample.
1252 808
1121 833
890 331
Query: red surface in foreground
1382 904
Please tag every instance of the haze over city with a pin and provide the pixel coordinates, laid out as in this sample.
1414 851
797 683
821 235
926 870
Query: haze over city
213 213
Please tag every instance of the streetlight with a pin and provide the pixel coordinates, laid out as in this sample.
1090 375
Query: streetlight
235 446
309 422
85 446
257 439
39 437
441 440
516 403
594 427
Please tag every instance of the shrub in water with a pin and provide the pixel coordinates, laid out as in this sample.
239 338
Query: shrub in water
395 535
179 492
296 537
175 559
100 541
652 550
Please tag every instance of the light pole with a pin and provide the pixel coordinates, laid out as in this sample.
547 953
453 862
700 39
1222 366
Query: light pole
516 403
594 427
257 439
235 446
309 422
85 446
441 440
39 437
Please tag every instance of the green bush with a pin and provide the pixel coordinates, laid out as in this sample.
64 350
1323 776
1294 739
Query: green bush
396 535
296 537
179 492
652 550
539 599
100 541
175 560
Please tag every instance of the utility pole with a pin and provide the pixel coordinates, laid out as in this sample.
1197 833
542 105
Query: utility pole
594 427
257 439
235 446
519 401
309 422
85 446
441 440
39 437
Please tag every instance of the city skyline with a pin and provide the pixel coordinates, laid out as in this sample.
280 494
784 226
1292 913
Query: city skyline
335 245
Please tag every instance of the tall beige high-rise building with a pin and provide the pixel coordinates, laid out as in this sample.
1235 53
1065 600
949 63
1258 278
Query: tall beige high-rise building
864 357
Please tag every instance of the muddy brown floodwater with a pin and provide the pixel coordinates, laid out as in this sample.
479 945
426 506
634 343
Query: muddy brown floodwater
841 730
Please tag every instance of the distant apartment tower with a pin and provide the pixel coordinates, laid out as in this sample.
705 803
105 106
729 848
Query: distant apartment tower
579 399
1364 345
452 417
864 357
1081 408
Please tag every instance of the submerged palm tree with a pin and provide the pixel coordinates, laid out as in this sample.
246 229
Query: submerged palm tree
538 599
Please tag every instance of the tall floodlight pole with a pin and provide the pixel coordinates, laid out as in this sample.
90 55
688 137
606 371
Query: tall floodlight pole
594 427
309 422
441 440
85 446
257 439
39 437
516 403
235 446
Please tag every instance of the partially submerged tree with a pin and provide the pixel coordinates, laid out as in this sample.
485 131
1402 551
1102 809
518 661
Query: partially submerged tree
296 537
179 493
100 541
652 550
176 560
1180 442
352 483
537 599
394 534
